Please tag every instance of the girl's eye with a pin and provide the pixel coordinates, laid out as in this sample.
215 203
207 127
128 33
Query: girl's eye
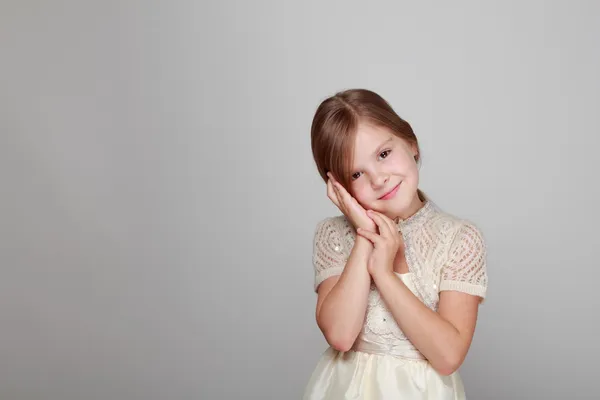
384 154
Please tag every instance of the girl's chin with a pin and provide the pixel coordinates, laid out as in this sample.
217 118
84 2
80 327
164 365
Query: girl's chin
394 209
387 211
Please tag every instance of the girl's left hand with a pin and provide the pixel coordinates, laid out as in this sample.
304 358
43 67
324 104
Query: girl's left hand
386 244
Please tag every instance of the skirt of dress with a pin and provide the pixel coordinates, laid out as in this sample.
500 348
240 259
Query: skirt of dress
365 376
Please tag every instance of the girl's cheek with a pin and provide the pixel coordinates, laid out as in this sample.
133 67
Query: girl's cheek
398 162
401 166
359 194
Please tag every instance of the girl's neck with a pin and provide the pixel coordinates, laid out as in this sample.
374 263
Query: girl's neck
416 204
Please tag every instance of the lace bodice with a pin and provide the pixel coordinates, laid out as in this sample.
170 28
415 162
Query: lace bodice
442 252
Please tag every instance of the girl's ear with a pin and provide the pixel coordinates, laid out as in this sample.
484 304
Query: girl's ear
415 152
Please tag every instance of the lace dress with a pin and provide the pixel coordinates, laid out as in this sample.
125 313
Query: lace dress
442 253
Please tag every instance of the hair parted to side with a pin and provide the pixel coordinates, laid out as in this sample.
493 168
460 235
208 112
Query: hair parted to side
334 129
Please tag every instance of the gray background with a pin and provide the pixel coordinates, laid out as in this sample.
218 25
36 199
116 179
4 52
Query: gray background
158 196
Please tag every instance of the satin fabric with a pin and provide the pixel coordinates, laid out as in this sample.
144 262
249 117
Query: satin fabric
364 376
374 371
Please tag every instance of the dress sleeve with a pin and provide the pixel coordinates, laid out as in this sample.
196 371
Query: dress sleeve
329 257
466 270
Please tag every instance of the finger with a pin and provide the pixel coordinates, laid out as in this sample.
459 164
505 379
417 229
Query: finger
338 186
370 236
390 223
332 193
343 203
330 175
340 197
330 190
331 178
384 228
340 190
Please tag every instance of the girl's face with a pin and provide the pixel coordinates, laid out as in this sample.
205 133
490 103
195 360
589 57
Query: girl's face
385 175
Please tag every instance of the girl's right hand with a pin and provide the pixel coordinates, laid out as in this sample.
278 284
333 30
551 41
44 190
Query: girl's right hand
348 205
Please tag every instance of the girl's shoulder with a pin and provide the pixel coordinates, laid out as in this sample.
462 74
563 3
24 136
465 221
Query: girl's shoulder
331 222
451 226
336 232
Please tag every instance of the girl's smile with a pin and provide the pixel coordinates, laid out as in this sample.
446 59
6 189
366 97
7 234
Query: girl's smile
390 195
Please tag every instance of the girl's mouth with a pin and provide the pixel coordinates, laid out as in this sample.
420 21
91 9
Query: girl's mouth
391 193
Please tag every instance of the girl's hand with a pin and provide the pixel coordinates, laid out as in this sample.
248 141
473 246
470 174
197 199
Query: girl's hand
386 244
348 205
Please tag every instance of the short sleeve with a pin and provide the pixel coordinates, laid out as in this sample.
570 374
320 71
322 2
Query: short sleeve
466 269
329 257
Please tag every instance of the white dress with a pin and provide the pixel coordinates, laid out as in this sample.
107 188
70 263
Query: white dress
383 363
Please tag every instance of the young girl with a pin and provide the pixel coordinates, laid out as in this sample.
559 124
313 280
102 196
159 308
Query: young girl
399 281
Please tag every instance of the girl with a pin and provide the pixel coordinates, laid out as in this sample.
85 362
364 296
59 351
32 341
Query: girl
399 281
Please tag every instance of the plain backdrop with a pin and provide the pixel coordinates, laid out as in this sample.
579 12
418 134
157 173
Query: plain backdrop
158 196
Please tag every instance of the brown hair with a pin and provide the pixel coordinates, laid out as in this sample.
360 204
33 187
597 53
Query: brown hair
335 124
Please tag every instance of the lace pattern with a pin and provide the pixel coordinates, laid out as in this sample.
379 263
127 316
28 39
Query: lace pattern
380 325
442 253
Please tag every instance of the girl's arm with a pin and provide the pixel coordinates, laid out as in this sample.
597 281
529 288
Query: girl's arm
443 337
342 300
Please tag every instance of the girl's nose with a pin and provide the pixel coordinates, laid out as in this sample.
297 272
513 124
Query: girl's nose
380 180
